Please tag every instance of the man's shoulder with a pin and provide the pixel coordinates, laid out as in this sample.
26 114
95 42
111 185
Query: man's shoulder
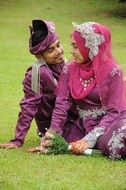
28 71
42 69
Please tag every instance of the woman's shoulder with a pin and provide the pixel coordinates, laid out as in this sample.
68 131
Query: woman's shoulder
115 70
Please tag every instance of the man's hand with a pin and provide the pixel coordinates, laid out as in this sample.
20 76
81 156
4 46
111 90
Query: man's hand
8 146
79 146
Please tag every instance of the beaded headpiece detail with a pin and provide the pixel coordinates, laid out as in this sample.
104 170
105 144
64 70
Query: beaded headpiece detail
92 39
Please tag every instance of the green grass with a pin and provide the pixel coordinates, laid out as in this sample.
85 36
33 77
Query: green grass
18 169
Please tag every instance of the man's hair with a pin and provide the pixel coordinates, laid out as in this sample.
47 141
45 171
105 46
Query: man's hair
38 36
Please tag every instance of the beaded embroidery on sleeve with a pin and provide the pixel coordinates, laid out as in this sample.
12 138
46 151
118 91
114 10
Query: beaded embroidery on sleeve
93 136
116 142
93 39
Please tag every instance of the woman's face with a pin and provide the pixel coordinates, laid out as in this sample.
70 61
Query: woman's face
75 52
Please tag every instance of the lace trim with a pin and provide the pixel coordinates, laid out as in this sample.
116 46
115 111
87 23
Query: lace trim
93 113
115 143
93 39
92 137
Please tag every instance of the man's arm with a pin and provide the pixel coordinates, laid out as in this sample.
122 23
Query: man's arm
29 105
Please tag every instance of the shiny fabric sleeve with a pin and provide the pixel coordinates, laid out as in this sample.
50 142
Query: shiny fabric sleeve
29 105
115 104
62 105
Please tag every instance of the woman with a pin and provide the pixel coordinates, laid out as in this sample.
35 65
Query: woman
93 82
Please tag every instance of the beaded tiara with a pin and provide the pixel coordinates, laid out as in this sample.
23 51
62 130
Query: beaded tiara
92 38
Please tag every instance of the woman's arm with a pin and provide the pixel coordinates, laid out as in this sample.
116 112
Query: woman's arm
62 104
116 104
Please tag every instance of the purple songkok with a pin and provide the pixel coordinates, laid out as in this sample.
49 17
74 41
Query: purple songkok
48 28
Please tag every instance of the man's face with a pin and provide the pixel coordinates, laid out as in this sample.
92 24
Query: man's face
54 54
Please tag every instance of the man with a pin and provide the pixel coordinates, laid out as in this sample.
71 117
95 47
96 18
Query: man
40 82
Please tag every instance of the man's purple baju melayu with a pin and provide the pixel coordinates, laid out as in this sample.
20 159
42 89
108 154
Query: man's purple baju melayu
37 105
40 81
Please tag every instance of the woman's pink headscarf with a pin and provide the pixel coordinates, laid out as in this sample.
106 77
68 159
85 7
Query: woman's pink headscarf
94 43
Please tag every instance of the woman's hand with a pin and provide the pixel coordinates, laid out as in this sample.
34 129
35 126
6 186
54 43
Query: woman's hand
48 135
79 146
42 148
45 142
